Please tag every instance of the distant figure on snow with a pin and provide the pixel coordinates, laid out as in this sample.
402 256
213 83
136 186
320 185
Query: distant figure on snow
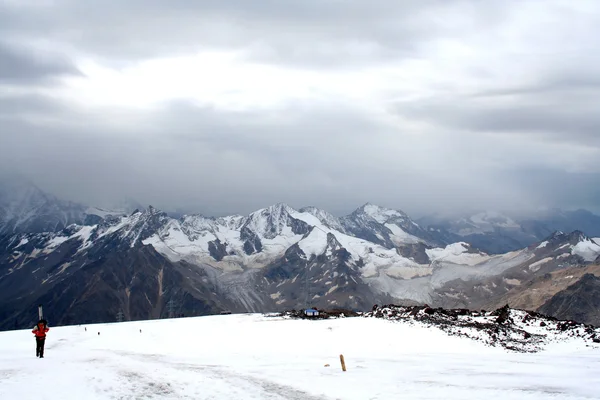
40 337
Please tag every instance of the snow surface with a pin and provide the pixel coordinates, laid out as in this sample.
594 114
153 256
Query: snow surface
400 237
315 243
380 214
587 249
204 358
83 235
537 265
456 253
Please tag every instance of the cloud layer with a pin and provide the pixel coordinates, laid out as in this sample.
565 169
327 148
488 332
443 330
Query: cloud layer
221 107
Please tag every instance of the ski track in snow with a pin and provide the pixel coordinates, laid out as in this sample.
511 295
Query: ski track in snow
256 357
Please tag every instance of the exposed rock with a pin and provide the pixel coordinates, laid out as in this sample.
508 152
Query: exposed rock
579 302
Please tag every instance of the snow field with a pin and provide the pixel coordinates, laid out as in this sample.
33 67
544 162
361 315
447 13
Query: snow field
256 357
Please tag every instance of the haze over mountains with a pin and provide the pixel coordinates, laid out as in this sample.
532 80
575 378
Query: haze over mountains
88 264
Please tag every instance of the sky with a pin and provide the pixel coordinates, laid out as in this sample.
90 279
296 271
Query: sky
226 107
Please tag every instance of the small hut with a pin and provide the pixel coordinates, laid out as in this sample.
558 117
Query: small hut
311 312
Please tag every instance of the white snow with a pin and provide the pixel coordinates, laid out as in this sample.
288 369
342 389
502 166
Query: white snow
537 265
23 242
55 242
401 237
456 253
315 243
587 249
542 245
380 214
205 358
84 235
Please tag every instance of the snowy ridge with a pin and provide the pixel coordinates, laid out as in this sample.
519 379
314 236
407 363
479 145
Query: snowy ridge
274 227
324 217
382 215
377 259
47 243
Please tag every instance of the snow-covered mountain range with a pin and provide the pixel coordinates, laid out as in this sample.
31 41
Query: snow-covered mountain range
275 258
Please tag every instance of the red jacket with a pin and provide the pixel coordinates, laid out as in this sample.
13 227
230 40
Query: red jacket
40 332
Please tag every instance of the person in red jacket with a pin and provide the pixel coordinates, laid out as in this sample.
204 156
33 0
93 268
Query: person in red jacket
40 337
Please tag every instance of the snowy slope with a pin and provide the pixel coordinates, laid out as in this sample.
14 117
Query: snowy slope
588 249
391 228
204 358
457 253
377 259
326 218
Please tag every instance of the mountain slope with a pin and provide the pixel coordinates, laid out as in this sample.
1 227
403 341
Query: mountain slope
272 259
579 302
387 227
558 252
535 292
26 208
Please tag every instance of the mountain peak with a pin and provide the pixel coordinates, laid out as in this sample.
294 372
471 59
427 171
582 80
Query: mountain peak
277 208
378 213
325 217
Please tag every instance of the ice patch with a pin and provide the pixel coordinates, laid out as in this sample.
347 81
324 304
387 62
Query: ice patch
537 265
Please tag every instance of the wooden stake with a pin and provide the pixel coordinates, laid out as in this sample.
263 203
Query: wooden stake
343 362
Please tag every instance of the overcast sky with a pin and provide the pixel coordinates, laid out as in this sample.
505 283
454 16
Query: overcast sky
228 106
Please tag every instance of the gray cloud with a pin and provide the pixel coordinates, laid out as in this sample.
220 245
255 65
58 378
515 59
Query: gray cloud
315 33
542 114
19 66
220 163
503 116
